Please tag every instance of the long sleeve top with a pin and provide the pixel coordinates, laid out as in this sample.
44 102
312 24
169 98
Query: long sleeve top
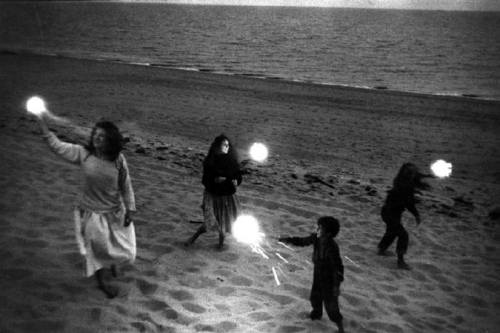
326 253
106 184
399 199
222 166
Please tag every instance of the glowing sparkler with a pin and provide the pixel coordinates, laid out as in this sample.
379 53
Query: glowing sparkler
275 276
246 230
258 152
36 106
441 168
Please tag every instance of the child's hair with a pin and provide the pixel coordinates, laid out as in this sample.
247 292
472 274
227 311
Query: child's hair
409 177
330 225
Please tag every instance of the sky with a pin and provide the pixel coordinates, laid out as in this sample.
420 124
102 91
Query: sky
482 5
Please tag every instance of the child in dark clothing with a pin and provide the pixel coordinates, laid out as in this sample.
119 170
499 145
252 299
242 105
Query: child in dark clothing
402 196
328 269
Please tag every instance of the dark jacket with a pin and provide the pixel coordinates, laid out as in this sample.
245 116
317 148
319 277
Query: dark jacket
221 166
326 254
399 199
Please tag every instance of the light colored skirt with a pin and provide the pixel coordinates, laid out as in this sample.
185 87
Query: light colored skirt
103 240
219 211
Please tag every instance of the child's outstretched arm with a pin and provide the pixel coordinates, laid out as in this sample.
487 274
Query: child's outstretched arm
299 241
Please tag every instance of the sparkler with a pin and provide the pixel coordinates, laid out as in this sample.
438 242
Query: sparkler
441 168
246 230
258 152
36 106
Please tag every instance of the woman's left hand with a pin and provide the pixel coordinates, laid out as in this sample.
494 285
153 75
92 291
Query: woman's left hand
235 182
128 217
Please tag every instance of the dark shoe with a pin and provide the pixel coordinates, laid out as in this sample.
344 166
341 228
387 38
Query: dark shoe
110 291
403 265
315 315
382 252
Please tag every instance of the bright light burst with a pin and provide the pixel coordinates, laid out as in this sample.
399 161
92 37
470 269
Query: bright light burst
258 152
36 106
441 168
246 230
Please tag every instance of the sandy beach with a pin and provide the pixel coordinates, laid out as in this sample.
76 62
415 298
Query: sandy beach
333 151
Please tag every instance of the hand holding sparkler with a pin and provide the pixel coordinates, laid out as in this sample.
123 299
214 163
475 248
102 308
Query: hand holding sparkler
36 106
441 169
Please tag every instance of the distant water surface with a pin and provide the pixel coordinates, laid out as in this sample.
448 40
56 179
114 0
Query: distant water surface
435 52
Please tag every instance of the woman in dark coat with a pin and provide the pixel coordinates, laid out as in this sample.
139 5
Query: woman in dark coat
221 176
402 196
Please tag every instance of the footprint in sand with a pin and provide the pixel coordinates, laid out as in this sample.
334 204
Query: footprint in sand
385 327
146 288
352 300
241 281
399 300
181 295
195 308
260 316
290 329
197 282
225 291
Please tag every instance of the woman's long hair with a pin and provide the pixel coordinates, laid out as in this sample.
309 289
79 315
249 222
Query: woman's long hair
410 178
114 140
215 148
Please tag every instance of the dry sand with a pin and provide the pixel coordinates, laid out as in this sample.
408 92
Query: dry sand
333 151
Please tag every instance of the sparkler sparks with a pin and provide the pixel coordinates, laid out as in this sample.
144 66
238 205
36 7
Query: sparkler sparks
258 152
351 261
281 257
275 276
441 168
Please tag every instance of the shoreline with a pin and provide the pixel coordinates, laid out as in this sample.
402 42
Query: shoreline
376 89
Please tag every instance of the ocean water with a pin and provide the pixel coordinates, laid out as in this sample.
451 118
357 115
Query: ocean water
431 52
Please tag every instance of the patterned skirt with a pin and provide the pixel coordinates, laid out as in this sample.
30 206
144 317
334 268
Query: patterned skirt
103 240
219 211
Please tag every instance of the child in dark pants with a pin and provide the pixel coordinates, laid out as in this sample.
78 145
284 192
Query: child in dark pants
328 269
402 196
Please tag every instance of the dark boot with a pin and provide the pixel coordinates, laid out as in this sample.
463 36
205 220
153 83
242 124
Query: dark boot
197 234
315 315
402 264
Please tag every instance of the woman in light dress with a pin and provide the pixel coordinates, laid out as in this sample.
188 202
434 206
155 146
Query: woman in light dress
105 233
